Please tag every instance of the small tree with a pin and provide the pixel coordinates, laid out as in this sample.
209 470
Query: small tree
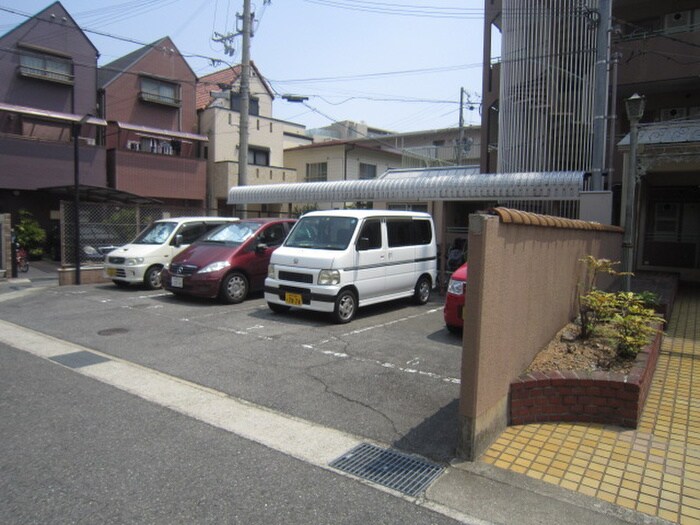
30 234
594 305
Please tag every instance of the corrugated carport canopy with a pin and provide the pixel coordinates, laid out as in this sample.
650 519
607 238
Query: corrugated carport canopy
463 183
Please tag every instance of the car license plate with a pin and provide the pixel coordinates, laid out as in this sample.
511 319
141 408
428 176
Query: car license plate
111 272
292 298
176 282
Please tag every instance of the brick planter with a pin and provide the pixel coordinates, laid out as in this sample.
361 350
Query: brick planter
591 397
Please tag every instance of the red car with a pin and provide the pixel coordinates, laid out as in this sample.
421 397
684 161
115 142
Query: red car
228 262
454 300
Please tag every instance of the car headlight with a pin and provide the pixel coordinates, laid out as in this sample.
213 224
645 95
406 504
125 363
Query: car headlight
455 287
133 261
215 267
271 271
329 277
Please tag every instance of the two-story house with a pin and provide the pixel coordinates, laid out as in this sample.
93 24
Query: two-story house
47 99
153 148
218 104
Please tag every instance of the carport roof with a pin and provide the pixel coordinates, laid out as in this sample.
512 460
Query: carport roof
100 194
453 183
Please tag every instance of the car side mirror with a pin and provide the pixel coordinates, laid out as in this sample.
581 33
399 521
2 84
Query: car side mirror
178 240
362 244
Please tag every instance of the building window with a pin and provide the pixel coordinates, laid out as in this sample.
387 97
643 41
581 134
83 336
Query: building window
368 171
159 92
258 157
46 67
253 104
317 172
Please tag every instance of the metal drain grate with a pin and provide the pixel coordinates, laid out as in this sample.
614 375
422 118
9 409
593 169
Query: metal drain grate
79 359
396 470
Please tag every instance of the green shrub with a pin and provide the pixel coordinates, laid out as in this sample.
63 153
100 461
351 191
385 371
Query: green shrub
627 318
30 234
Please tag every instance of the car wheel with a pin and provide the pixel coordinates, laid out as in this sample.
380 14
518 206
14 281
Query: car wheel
278 308
345 307
234 288
152 278
121 284
422 293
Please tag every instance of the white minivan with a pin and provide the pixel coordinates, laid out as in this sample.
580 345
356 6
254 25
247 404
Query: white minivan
142 259
336 261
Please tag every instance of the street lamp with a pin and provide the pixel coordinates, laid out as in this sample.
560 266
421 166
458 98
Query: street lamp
77 125
635 110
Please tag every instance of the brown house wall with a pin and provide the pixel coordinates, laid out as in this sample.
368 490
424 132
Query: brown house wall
29 165
58 36
122 101
521 290
158 176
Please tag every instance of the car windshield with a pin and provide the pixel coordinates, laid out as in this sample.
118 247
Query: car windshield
322 233
232 234
156 233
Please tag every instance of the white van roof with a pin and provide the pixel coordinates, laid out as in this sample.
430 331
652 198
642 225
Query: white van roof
362 214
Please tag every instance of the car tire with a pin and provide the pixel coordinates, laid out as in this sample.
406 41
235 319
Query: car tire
345 307
453 329
121 284
152 278
422 291
279 308
234 288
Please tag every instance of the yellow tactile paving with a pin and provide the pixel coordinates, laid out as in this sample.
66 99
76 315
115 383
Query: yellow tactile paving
654 469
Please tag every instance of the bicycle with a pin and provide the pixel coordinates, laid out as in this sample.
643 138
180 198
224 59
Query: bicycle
22 259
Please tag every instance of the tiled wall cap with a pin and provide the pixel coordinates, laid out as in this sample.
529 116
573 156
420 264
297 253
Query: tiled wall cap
508 215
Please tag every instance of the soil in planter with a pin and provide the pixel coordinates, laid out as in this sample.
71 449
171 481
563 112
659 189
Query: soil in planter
567 351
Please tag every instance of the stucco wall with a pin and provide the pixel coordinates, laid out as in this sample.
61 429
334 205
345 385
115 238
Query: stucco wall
521 290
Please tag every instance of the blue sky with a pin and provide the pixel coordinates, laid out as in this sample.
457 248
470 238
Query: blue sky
394 64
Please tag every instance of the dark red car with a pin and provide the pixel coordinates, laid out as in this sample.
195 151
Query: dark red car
454 299
228 262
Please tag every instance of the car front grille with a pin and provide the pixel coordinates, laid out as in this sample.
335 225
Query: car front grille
182 269
296 277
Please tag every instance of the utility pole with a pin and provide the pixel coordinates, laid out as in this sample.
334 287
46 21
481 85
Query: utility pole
245 98
600 102
460 146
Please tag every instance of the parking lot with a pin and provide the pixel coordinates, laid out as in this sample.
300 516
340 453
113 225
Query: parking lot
390 375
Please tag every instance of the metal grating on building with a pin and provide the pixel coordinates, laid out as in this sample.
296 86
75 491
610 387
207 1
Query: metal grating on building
390 468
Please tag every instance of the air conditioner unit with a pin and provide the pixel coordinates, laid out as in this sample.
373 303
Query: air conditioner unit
673 113
678 20
133 145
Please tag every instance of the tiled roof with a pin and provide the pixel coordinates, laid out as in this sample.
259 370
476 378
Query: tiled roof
209 83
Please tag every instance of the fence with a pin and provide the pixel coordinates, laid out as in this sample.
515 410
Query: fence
106 226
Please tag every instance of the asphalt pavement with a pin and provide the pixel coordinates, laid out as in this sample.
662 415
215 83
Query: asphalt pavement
127 436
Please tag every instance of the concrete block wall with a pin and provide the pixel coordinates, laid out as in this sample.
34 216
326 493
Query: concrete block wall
524 270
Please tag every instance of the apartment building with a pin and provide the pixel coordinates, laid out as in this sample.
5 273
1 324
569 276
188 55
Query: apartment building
540 99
